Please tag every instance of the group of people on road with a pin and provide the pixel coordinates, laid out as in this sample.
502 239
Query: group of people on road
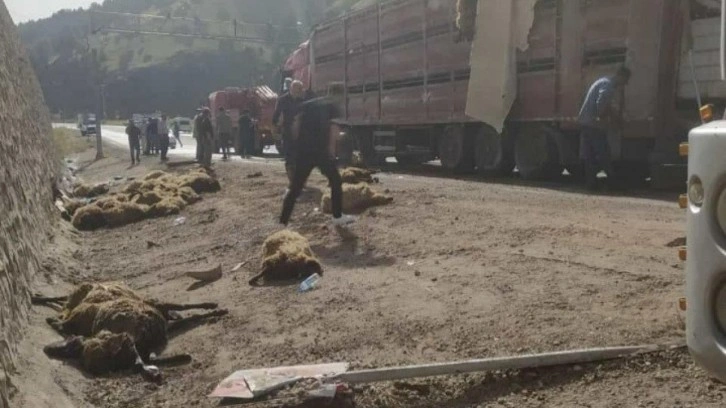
155 135
208 135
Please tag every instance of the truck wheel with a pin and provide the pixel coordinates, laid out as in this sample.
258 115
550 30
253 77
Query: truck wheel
456 150
280 148
493 151
364 139
345 150
536 154
629 174
410 160
577 171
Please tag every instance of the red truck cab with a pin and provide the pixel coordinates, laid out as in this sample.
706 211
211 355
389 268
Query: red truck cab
260 101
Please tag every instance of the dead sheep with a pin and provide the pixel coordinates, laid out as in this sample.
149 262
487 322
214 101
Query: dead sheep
200 182
89 191
355 175
188 195
97 293
155 175
124 213
158 195
88 218
132 187
356 198
72 205
167 206
287 255
147 198
110 327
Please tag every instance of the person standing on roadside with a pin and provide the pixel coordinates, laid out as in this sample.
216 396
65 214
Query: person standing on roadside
316 136
163 138
176 131
134 134
224 131
152 132
287 107
195 134
206 137
598 117
246 134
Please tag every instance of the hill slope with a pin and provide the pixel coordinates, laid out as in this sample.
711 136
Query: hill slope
150 72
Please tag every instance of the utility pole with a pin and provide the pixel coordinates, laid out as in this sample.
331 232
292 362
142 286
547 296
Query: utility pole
99 103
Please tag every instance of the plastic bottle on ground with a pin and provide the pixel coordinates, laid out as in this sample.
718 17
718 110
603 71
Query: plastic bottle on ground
309 284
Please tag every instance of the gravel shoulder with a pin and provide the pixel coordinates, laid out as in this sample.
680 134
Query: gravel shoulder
452 269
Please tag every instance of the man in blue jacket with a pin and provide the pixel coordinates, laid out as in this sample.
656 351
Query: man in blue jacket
598 117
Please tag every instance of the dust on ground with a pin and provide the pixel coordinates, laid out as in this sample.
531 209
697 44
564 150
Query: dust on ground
452 269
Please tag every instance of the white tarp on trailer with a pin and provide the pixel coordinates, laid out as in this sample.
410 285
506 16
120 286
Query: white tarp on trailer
502 26
705 45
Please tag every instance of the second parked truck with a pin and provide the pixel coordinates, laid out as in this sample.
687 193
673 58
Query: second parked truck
406 67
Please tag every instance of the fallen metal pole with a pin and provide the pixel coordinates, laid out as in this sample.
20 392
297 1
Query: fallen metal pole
493 364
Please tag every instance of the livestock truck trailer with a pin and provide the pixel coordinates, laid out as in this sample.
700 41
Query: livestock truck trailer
428 79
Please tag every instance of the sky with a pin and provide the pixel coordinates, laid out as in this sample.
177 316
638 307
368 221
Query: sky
24 10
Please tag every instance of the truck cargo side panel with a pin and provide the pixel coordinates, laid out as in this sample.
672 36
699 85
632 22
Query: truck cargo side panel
326 73
536 96
328 41
403 62
363 108
607 22
644 50
444 55
399 18
403 105
571 87
536 93
363 68
439 103
441 13
360 36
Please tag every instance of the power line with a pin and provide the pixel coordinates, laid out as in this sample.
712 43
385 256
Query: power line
185 27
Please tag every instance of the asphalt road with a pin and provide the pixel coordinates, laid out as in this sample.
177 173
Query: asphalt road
116 136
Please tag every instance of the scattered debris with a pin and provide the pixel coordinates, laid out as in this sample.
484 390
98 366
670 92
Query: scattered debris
180 221
152 244
309 284
287 255
255 175
110 328
356 198
678 242
250 384
239 266
209 275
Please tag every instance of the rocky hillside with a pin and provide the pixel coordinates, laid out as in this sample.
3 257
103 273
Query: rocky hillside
172 73
25 191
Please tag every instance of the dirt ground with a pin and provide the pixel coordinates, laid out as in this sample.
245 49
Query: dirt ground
452 269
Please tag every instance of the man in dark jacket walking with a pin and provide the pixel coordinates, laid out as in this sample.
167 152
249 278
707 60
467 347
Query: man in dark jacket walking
316 135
